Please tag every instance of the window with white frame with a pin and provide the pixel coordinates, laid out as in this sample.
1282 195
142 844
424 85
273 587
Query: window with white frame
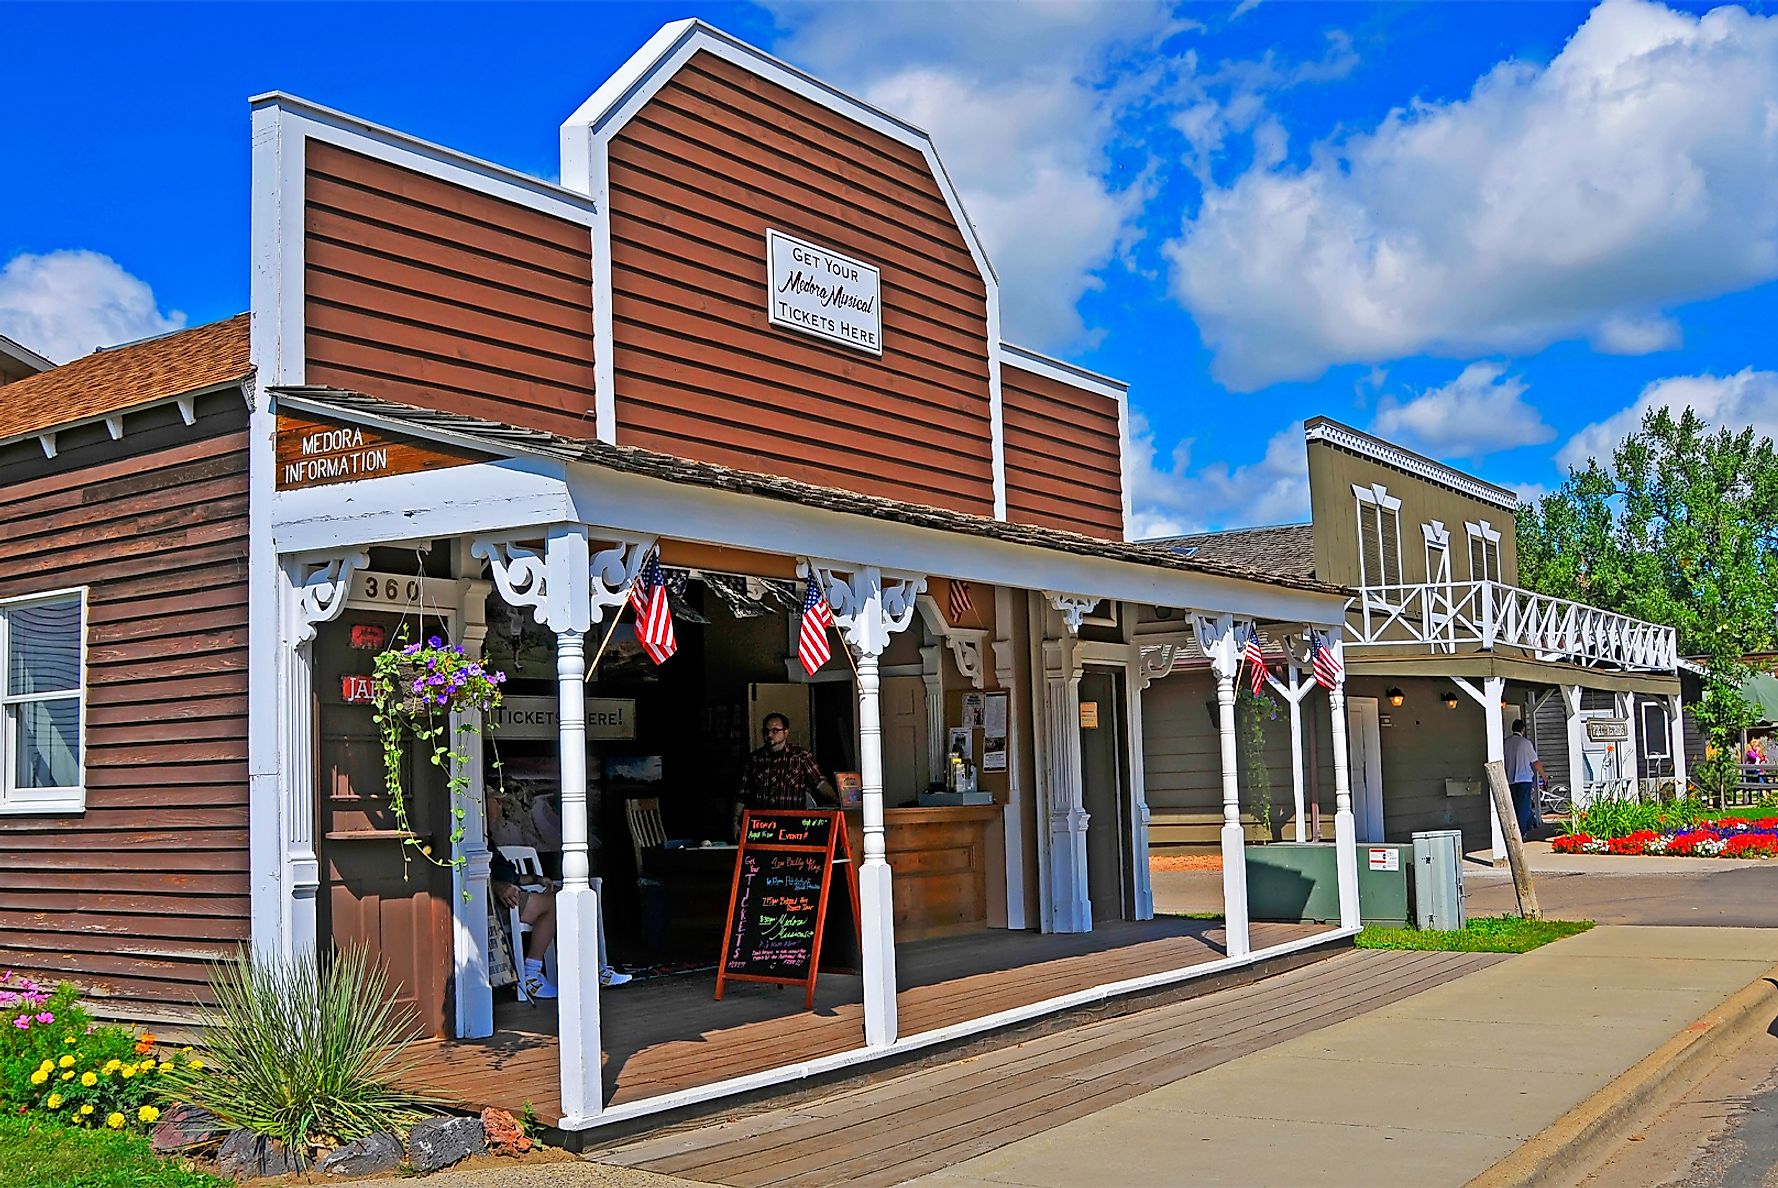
1438 553
1484 552
1379 536
42 702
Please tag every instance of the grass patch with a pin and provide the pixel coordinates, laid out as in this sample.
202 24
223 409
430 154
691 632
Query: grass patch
1748 812
37 1152
1484 934
1189 915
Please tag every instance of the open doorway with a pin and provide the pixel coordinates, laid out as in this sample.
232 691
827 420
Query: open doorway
1104 743
1364 749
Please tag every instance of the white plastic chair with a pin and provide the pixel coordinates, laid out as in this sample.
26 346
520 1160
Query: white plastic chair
530 871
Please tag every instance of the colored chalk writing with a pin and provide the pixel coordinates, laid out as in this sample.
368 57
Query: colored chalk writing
789 868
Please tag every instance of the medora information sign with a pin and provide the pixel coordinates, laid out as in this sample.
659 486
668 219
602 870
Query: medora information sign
823 293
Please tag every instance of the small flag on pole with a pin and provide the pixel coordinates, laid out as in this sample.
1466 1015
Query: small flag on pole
959 603
654 618
811 639
1256 661
1327 664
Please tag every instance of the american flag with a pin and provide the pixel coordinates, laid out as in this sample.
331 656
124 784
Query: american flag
959 602
1256 661
1327 665
811 640
654 618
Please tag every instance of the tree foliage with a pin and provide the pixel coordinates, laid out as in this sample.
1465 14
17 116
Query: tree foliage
1679 526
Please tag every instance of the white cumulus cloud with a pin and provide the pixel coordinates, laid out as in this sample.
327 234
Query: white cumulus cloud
1169 499
1022 108
1632 173
66 304
1481 411
1734 402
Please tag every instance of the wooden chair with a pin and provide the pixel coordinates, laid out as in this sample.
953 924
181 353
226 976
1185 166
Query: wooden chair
530 869
643 815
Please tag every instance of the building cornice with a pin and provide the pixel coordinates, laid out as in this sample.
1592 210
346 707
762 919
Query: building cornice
1378 450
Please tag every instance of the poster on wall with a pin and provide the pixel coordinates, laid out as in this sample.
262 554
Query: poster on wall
994 716
993 752
972 710
961 742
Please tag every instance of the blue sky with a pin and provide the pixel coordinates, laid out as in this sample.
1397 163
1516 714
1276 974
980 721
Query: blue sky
1493 232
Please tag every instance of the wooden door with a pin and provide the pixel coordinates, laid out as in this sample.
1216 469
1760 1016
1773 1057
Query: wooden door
1102 792
376 894
1365 767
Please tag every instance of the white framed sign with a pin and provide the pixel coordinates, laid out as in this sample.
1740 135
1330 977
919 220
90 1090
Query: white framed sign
818 291
1608 730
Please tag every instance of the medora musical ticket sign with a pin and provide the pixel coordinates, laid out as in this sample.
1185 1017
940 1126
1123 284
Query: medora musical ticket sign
820 292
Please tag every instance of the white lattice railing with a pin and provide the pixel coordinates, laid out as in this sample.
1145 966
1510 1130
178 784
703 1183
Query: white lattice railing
1460 616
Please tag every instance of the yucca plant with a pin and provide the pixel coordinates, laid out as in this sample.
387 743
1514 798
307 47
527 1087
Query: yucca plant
303 1050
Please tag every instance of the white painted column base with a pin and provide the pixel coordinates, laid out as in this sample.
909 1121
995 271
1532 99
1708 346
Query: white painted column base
577 960
1234 890
1073 911
1346 864
876 906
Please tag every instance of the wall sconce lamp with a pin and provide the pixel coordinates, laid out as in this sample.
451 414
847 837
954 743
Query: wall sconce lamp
1450 700
1396 697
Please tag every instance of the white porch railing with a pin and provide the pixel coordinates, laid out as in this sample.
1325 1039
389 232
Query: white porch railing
1463 616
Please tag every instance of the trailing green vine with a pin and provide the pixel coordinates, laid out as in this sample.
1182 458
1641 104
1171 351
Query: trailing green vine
1252 712
414 691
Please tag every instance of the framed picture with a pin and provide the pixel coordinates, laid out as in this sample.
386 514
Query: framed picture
850 786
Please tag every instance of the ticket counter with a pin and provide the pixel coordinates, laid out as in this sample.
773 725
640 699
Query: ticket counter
940 861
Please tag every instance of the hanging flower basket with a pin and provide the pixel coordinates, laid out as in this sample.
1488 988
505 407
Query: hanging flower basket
415 689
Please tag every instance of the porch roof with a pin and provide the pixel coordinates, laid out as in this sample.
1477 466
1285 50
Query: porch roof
514 440
1367 662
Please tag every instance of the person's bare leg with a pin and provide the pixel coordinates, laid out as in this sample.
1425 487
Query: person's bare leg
540 913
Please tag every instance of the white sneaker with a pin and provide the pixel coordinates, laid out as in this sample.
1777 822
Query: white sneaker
537 984
610 977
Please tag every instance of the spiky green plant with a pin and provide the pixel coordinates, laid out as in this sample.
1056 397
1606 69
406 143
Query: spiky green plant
303 1050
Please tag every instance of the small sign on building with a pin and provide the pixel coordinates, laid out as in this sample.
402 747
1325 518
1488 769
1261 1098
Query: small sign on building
1384 858
608 718
1089 715
818 291
1608 730
355 688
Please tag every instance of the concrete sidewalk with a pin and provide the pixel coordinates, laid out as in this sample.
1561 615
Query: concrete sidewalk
1432 1090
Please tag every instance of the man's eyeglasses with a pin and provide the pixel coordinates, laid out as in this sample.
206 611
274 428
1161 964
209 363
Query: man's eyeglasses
776 730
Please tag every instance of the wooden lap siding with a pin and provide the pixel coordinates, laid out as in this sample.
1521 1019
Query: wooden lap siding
432 294
697 176
131 898
1063 466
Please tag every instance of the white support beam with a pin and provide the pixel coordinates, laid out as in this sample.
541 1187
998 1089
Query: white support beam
1676 741
469 877
1577 744
1488 697
1220 638
1345 828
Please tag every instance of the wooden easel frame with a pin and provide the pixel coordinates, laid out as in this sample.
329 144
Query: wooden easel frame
837 850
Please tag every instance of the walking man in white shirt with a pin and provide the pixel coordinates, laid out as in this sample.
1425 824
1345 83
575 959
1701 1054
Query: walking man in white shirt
1524 770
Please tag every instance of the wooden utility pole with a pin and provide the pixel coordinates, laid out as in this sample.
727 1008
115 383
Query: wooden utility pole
1515 844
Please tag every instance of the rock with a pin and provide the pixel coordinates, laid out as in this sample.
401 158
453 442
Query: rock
245 1156
503 1133
439 1142
369 1155
183 1126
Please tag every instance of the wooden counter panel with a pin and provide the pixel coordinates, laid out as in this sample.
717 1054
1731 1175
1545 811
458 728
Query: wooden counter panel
938 856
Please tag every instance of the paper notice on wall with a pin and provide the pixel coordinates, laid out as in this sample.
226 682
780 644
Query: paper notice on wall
993 752
961 742
972 710
994 715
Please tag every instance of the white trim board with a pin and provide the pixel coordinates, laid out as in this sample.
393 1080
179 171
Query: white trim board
1390 454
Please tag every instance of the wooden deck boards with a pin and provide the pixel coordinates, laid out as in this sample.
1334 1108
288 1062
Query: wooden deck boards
668 1034
934 1118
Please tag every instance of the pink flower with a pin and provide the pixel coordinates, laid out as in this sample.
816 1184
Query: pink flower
45 1017
23 1022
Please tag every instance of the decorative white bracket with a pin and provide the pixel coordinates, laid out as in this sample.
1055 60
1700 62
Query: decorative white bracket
519 572
965 642
868 605
614 569
1156 661
321 595
1221 638
1074 607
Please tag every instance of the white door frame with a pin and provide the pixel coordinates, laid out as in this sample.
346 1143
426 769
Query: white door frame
1364 726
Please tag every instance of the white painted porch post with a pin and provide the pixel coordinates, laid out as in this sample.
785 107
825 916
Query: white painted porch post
1577 746
312 592
568 590
1071 905
1345 828
1297 758
1676 741
1488 697
867 614
1219 639
932 675
1630 758
1012 816
469 878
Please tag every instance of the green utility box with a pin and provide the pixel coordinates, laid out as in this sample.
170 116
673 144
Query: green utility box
1296 882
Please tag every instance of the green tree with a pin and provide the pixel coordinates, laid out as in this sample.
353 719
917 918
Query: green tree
1680 526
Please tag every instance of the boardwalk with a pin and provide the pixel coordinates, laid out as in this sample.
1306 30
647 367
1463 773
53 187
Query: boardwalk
934 1118
668 1034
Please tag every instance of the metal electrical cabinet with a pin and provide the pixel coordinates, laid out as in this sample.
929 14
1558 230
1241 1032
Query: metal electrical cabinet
1298 883
1438 879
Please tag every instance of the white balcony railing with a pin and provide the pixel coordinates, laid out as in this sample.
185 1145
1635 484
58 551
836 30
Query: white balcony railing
1464 616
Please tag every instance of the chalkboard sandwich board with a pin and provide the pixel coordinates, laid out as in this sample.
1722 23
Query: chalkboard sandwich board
778 908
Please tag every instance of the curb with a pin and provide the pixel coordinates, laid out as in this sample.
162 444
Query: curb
1579 1140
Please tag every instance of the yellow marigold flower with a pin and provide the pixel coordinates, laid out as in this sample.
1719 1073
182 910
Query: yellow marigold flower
166 1066
147 1114
68 1039
66 1062
38 1077
53 1101
89 1079
128 1071
194 1064
147 1065
115 1121
112 1066
86 1109
68 1076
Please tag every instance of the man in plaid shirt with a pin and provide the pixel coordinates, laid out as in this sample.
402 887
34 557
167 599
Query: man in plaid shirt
781 775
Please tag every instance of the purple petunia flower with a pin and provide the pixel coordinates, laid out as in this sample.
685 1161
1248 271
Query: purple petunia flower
435 642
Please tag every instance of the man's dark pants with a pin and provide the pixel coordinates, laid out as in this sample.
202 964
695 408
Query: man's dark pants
1522 804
